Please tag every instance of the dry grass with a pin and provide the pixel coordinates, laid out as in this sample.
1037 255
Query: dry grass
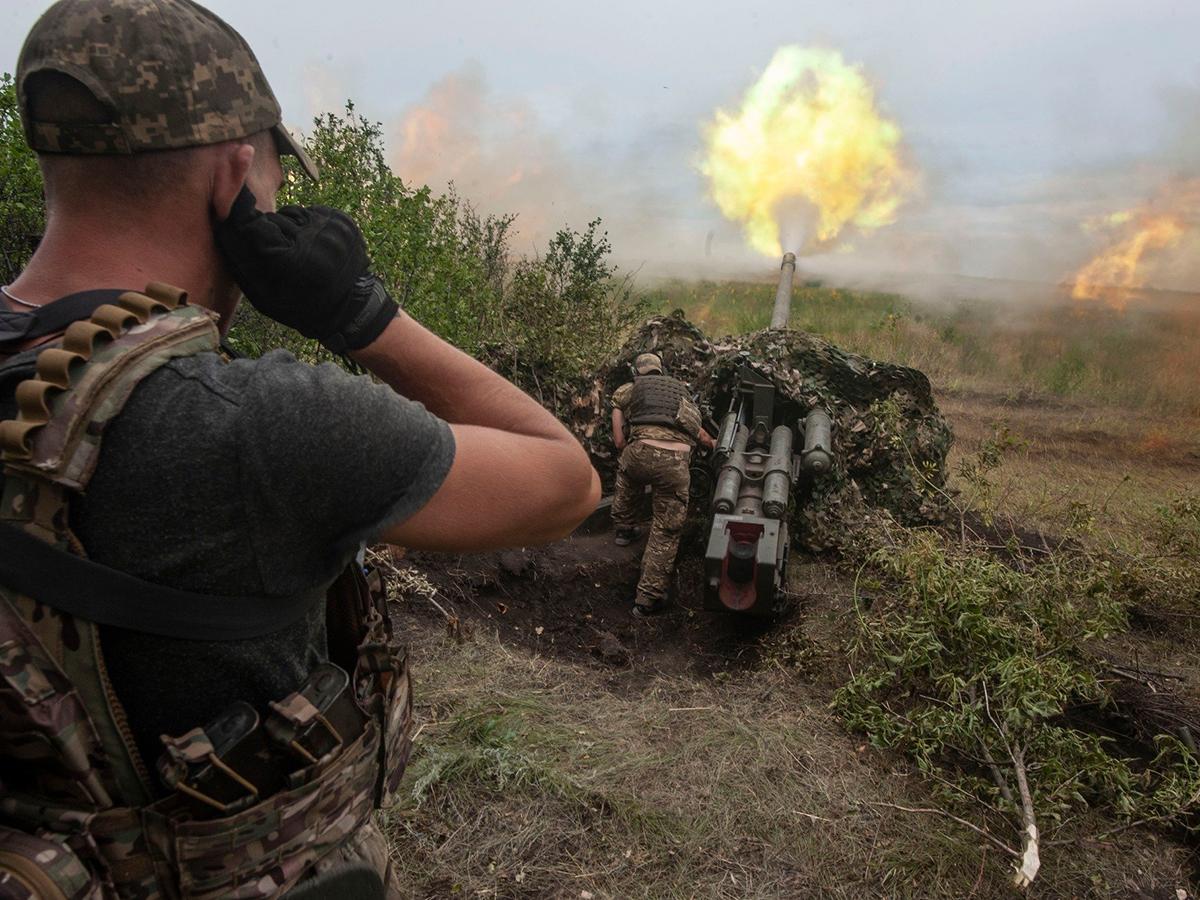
532 777
1121 463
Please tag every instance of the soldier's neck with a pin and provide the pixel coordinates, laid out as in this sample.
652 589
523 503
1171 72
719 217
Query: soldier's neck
79 255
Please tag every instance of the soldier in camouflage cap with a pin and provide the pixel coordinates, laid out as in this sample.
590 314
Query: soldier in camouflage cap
235 488
664 426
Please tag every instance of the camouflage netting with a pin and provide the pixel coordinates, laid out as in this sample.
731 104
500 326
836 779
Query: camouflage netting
890 442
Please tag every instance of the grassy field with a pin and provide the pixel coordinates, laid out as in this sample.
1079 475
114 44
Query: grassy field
543 774
539 778
1143 358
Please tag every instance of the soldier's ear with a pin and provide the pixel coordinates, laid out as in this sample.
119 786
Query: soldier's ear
232 165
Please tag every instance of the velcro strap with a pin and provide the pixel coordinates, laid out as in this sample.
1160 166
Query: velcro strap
82 587
190 748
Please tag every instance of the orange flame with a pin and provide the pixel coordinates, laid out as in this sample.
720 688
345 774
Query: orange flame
1136 238
807 154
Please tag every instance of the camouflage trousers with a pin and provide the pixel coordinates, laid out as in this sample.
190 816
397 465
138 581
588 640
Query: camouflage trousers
666 471
367 846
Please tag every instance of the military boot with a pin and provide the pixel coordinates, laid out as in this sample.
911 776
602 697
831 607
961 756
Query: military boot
647 610
626 536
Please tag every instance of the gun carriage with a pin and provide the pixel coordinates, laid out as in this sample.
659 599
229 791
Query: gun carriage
751 481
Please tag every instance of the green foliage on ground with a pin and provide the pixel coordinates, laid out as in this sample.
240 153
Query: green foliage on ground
986 664
21 209
1179 528
966 656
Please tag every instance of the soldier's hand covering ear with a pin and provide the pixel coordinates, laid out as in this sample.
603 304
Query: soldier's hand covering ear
306 267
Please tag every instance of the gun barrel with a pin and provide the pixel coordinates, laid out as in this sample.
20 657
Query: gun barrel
783 293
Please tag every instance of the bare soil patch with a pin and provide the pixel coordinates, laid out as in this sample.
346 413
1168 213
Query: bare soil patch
573 600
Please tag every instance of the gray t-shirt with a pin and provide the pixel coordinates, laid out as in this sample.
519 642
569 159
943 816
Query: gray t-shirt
249 478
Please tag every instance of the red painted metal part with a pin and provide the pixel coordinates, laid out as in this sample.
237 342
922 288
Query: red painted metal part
740 597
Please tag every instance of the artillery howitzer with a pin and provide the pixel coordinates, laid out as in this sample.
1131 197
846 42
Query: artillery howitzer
754 473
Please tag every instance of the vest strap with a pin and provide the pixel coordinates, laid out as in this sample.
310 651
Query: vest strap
18 328
81 587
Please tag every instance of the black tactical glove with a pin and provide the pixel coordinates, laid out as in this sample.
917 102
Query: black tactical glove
306 268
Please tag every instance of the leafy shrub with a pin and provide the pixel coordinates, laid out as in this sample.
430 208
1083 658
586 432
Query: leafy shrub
22 212
560 313
969 656
1068 372
985 669
565 311
1179 526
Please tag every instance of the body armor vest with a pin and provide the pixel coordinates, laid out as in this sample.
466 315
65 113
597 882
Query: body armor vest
655 400
79 815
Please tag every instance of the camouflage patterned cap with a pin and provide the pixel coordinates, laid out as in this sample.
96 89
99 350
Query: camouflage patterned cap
648 364
169 74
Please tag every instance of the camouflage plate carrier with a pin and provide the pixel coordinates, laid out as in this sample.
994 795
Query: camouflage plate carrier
78 815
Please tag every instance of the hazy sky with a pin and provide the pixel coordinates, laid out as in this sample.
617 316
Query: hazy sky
1023 116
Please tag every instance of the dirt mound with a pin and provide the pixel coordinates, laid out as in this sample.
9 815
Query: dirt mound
890 440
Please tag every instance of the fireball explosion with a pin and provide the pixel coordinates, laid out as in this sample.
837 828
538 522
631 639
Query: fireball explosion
807 154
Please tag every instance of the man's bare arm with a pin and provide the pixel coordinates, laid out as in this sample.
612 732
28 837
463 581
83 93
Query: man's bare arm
618 428
518 476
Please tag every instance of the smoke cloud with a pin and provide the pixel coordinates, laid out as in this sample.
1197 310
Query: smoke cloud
495 152
502 157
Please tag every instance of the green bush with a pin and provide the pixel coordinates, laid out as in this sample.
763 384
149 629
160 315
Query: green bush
969 656
563 312
986 669
22 212
560 313
1068 372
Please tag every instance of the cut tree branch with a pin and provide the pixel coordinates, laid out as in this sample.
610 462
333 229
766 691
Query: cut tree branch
1030 861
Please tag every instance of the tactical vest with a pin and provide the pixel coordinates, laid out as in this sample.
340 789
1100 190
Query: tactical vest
78 814
655 400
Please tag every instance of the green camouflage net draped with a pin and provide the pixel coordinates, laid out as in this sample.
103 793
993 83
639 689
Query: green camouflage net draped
889 440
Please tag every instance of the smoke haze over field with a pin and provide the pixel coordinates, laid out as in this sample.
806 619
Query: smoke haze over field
1024 118
501 155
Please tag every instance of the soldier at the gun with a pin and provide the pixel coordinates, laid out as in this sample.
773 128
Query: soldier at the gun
664 427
